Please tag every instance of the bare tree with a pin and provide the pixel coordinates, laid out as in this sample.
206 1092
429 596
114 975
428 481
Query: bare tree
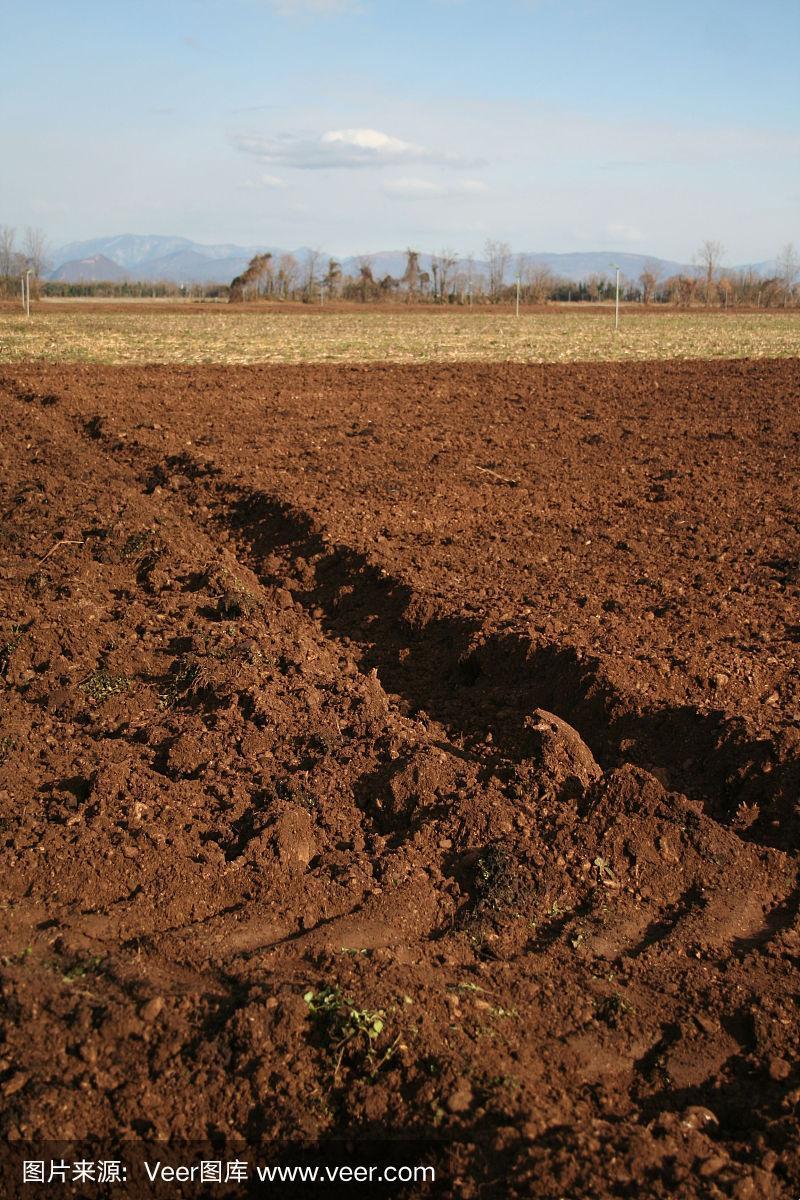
681 289
745 285
541 283
524 273
435 274
447 263
310 268
596 286
367 286
498 255
649 280
265 284
470 275
411 278
725 286
288 268
8 253
386 286
787 265
708 257
35 251
333 278
252 278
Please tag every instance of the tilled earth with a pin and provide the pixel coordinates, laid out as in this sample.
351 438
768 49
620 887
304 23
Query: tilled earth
407 750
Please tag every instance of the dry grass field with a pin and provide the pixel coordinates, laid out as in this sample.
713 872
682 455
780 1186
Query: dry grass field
172 336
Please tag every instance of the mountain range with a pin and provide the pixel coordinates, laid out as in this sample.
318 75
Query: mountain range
179 260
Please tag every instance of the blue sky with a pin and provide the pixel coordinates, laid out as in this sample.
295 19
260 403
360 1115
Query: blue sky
361 125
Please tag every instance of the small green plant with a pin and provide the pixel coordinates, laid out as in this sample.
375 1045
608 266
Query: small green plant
8 960
500 1086
297 791
492 866
190 676
349 1031
500 884
8 647
611 1009
504 1013
82 967
101 684
605 870
7 744
234 599
135 544
183 677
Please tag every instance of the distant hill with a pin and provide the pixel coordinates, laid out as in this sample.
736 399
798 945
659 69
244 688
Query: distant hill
190 266
95 268
132 250
155 257
581 265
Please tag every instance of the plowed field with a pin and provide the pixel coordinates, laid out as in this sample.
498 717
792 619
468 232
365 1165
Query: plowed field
410 751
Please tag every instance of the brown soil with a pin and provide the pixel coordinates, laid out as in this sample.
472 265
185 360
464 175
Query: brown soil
461 702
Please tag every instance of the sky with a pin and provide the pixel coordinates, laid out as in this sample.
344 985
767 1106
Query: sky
356 126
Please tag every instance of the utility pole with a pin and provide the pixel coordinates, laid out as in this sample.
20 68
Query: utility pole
616 304
28 274
518 284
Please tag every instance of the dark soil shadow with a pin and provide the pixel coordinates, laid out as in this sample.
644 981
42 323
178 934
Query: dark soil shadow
476 685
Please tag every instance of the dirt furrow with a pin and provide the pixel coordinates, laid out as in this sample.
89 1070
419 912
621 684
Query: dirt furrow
292 848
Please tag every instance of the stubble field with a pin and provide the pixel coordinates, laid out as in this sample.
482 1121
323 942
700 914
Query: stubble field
63 332
407 749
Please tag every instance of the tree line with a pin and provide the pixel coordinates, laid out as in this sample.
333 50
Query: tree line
16 261
449 279
502 276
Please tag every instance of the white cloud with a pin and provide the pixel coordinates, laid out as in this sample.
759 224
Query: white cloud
413 187
421 189
624 233
263 181
344 148
371 140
